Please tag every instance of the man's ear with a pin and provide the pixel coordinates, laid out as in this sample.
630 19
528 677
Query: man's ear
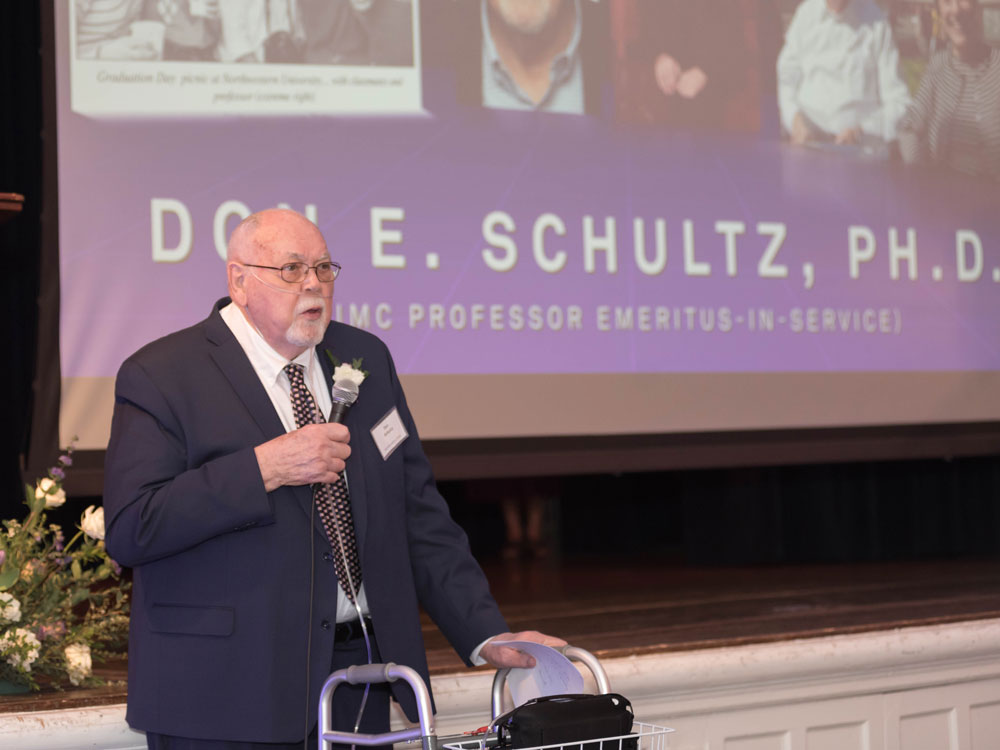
237 276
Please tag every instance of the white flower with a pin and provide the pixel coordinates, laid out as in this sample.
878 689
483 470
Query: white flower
20 648
92 522
78 663
10 608
346 372
53 494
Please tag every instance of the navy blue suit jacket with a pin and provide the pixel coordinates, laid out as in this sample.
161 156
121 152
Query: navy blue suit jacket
220 608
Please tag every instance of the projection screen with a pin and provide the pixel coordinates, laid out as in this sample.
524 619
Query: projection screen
634 245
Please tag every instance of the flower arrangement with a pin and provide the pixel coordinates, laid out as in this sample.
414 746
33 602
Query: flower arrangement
62 604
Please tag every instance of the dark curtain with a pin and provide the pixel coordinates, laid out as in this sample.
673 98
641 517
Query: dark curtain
21 172
862 512
927 509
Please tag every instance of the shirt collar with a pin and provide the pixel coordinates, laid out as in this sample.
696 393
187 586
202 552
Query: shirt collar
844 15
562 65
268 363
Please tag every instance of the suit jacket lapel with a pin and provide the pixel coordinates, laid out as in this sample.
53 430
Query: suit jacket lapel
231 359
355 463
233 362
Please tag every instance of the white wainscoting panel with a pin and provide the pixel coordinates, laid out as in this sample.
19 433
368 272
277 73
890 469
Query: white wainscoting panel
855 734
945 717
919 688
984 725
768 741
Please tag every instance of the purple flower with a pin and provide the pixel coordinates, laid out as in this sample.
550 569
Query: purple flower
66 460
3 556
58 473
116 567
55 630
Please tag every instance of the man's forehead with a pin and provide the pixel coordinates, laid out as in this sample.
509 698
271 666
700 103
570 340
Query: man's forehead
285 252
291 242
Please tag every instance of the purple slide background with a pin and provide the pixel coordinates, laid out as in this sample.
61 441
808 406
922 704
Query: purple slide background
450 170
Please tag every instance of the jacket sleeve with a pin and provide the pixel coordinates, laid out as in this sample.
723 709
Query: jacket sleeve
914 126
158 501
790 71
893 92
450 584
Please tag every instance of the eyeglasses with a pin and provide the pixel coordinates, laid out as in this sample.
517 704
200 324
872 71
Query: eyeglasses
293 273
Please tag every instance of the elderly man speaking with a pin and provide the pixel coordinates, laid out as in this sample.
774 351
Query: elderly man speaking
270 545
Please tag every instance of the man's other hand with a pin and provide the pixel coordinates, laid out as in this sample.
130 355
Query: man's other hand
802 131
310 454
501 656
667 72
692 82
849 137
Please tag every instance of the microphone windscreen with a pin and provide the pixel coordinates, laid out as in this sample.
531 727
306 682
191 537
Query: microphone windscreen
345 391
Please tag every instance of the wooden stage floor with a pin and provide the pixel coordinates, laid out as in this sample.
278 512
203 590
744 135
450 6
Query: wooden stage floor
618 609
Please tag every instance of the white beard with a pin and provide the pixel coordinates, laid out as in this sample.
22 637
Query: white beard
306 333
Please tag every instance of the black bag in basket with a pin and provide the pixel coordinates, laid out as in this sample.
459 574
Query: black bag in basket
568 720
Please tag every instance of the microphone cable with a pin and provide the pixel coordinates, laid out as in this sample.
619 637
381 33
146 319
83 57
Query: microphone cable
309 629
353 599
357 608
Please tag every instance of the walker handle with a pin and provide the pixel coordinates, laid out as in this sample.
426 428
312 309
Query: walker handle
573 653
376 673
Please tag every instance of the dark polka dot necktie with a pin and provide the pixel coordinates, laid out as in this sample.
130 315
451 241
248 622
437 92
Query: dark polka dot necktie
332 500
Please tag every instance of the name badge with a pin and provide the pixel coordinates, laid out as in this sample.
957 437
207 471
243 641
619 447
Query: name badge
389 433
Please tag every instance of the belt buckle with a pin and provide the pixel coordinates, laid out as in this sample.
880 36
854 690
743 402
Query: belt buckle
350 630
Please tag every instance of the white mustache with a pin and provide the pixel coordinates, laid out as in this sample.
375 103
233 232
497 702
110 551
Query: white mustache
308 303
291 291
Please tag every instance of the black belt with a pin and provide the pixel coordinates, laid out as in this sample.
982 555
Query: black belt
349 631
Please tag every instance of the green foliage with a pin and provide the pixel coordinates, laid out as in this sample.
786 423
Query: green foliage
61 603
355 363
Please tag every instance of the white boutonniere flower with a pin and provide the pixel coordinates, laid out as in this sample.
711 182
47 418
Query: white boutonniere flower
348 372
343 371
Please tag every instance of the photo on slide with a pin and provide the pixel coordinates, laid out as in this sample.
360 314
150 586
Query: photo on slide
257 57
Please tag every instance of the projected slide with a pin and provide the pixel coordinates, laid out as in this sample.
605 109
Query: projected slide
223 57
560 187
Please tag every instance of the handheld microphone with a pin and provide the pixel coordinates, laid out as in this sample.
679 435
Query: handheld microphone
343 394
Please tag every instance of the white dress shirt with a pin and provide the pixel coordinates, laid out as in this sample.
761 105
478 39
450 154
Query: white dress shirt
269 366
842 70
